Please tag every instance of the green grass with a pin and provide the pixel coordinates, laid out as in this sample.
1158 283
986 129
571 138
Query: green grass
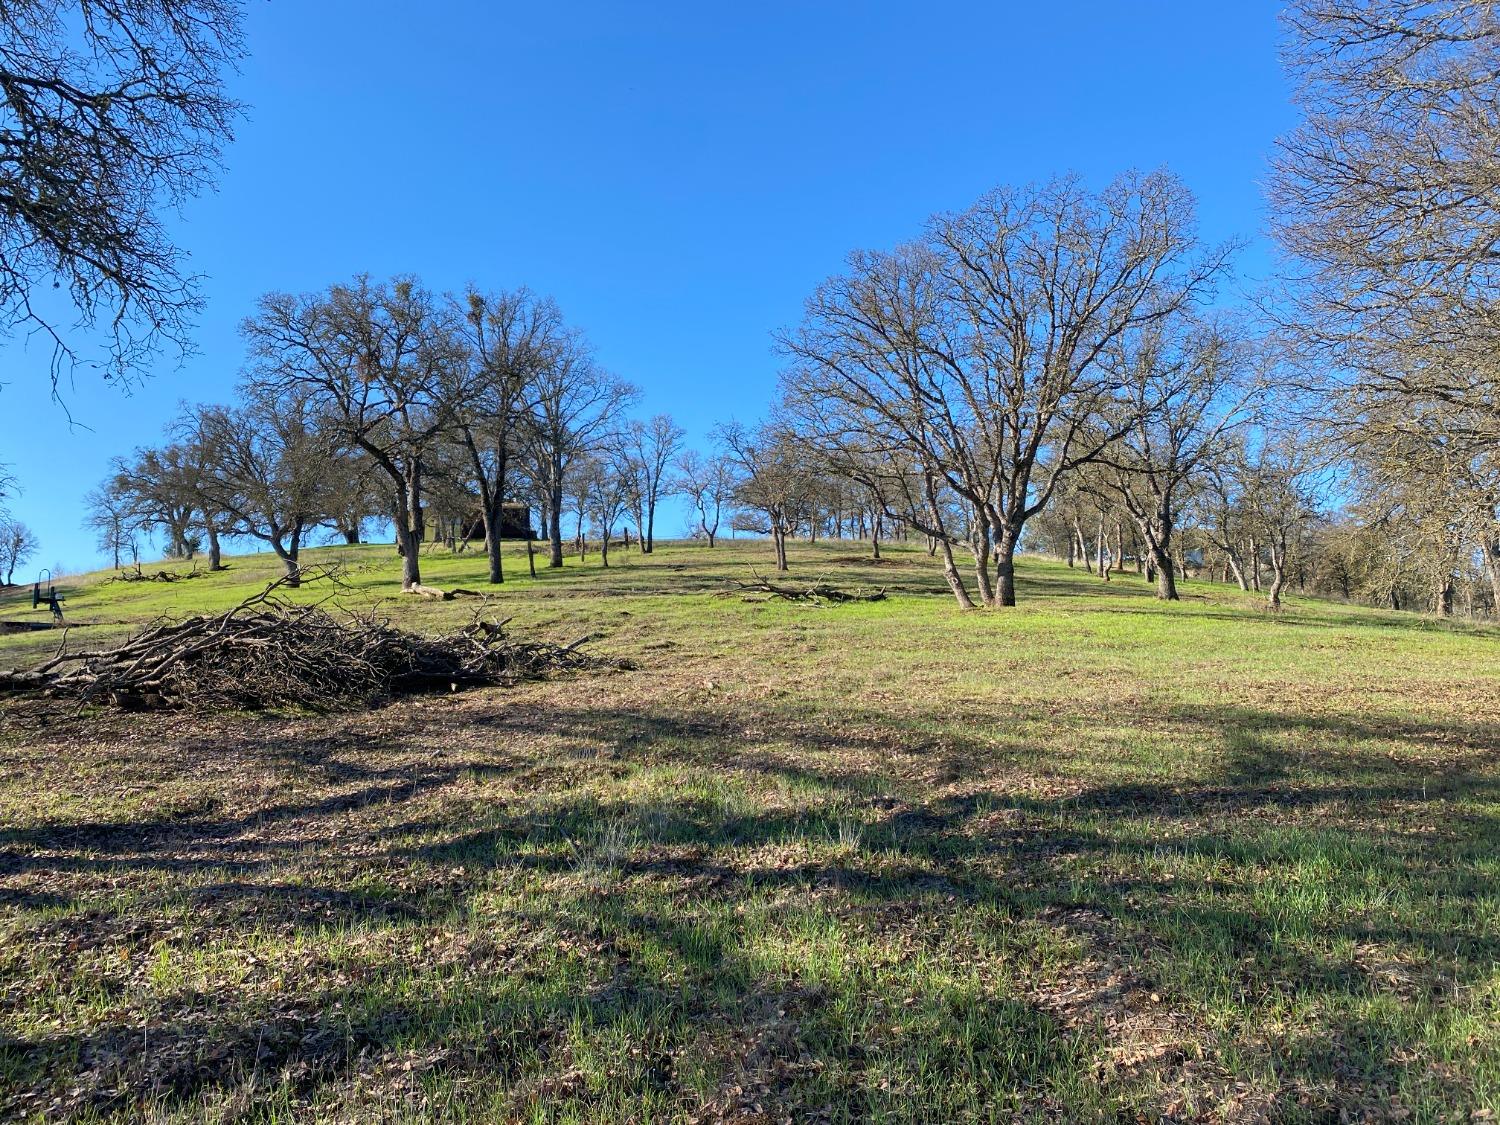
1096 858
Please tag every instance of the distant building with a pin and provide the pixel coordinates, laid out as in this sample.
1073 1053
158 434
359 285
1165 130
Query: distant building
515 523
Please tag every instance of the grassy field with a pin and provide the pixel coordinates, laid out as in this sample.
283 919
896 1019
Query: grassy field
1095 858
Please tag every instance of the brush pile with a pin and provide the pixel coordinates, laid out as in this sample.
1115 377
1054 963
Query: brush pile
157 576
819 593
268 653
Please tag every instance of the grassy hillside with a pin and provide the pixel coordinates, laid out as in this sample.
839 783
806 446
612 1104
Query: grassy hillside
1093 858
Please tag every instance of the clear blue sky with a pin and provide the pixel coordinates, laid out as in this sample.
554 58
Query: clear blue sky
677 175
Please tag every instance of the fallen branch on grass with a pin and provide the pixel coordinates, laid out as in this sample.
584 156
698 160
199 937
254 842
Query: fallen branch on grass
428 592
819 593
156 576
443 595
269 653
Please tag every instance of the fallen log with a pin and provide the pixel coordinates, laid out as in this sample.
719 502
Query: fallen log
428 592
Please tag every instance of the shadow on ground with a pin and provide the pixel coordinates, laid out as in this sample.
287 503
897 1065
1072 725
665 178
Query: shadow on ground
603 908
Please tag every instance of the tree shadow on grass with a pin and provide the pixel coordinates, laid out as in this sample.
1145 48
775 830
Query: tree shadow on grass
1330 879
759 1040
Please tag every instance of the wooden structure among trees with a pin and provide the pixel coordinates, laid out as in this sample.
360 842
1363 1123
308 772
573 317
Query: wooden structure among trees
515 523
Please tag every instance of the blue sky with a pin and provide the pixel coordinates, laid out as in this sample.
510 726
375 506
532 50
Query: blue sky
679 176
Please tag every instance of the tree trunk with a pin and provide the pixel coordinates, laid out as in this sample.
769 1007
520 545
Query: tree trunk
491 520
530 556
982 566
951 573
1104 562
215 556
491 514
1157 533
288 557
1278 576
1234 566
1278 582
408 531
1005 569
1491 552
554 525
1443 603
604 550
778 539
1166 580
875 537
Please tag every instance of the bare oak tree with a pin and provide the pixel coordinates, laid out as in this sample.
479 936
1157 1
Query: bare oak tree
974 358
708 483
370 358
1388 195
1184 388
651 447
511 338
274 472
110 112
576 410
773 481
18 544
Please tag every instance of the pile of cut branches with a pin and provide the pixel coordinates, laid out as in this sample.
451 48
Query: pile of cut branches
819 593
269 653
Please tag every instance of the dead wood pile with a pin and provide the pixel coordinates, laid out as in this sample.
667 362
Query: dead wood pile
269 653
819 593
156 576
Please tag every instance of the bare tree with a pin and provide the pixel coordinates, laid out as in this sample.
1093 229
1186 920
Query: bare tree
17 546
652 446
1224 519
159 490
371 359
1280 494
511 338
1184 389
576 409
708 483
1388 195
773 484
608 496
356 497
1436 495
585 475
111 523
110 112
274 472
973 358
